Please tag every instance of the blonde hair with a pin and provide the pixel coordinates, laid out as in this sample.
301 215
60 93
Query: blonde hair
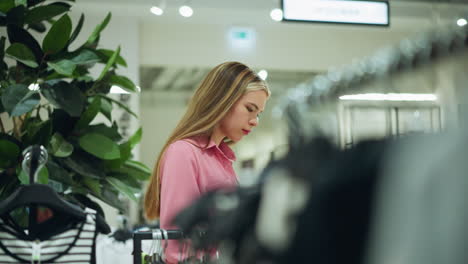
217 93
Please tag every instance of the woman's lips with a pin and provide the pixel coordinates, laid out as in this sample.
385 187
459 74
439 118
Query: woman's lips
246 132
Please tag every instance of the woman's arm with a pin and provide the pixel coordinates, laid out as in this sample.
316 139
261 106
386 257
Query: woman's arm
179 187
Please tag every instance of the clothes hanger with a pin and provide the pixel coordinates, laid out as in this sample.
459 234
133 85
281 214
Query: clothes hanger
34 195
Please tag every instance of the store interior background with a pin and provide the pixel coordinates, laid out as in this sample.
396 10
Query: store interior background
167 55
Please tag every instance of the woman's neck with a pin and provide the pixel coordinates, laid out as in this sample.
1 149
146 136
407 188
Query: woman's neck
217 136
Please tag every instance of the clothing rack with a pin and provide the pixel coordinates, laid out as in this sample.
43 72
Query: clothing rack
408 54
152 235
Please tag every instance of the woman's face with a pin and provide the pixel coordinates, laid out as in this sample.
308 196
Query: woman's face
244 115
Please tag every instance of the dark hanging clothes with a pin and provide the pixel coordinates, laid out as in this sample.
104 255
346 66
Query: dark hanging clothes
334 226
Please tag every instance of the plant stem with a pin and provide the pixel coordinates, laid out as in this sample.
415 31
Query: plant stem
2 126
37 113
16 131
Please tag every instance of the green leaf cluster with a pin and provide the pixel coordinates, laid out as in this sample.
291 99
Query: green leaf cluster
50 97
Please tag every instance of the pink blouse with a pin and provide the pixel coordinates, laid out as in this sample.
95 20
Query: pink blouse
189 168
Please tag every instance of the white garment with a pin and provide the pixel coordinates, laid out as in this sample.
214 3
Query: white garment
75 245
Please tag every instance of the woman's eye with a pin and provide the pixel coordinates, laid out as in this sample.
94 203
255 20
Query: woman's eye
249 109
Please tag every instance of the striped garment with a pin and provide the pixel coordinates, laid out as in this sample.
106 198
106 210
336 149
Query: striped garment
76 245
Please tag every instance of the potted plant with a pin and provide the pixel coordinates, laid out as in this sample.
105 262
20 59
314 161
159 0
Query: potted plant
48 97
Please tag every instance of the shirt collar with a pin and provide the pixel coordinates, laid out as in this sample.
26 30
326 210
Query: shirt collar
201 142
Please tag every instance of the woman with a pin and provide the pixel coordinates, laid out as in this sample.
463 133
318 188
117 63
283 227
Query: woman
196 158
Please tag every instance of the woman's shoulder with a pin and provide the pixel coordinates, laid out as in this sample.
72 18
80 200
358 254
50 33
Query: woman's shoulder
181 145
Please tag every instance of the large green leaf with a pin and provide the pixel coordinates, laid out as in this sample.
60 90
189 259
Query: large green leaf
31 126
125 154
23 54
110 132
16 15
89 114
126 179
20 35
121 105
21 2
109 64
18 100
106 108
85 56
36 131
65 96
135 138
125 150
97 31
84 164
63 122
100 146
58 173
123 188
6 5
9 153
64 67
39 27
105 55
136 170
123 82
77 30
60 147
46 12
58 35
44 134
92 184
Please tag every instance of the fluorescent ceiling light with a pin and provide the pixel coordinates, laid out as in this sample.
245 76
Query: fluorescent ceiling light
390 97
337 11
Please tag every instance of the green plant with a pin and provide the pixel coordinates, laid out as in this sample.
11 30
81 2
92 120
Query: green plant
84 158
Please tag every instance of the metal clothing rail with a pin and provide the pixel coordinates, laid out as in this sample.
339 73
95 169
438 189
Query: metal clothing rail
152 235
409 54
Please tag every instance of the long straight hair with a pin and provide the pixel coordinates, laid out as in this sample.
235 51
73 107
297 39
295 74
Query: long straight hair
217 93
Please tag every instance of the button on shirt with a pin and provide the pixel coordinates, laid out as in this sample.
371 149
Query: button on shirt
189 168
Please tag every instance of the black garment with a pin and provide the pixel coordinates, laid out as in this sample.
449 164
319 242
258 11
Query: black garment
334 226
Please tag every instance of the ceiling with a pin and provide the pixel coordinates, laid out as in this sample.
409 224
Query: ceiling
242 4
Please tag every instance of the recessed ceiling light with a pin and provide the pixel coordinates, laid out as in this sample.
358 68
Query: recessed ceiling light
186 11
263 74
156 10
462 22
276 14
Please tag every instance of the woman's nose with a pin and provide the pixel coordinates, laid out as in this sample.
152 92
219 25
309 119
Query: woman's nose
253 121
